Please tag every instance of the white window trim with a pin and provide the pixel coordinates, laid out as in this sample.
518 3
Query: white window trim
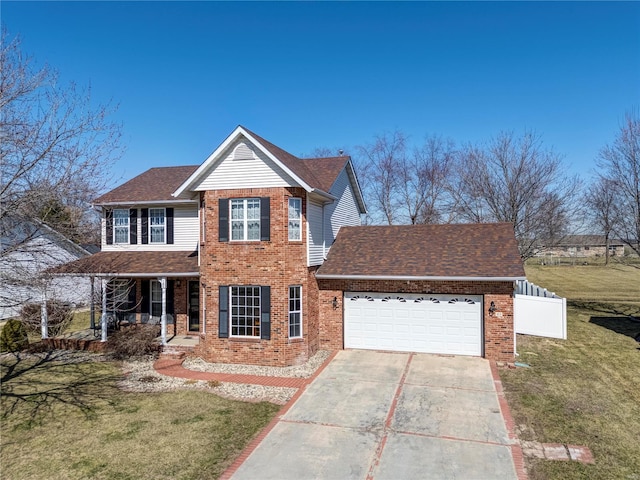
245 220
231 315
299 287
299 219
164 226
115 228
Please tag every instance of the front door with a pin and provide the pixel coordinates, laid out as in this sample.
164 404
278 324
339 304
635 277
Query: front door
194 306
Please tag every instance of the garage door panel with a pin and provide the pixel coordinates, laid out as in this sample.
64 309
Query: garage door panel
380 321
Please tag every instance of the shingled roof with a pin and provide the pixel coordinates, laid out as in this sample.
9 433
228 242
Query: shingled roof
128 263
318 172
460 251
156 184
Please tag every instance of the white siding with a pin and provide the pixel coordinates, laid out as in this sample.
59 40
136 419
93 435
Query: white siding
186 231
20 284
315 241
343 211
244 166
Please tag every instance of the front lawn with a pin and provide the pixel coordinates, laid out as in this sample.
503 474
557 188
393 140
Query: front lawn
584 390
68 420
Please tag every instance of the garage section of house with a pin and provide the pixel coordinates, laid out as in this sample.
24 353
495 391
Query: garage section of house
446 324
443 289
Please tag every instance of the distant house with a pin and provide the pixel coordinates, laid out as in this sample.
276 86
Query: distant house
583 246
26 250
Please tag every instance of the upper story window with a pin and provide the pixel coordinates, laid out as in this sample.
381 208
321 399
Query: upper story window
245 219
295 219
121 225
157 225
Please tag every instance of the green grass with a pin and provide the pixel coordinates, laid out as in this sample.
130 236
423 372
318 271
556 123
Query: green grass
69 421
589 283
584 390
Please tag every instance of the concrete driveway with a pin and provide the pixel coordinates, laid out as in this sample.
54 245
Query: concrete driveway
374 415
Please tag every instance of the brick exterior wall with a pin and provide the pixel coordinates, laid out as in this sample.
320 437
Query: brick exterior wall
277 263
498 326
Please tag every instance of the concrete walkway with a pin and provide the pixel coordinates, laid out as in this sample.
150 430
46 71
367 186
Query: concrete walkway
376 415
173 367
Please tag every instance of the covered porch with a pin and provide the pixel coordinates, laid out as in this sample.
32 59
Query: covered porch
133 288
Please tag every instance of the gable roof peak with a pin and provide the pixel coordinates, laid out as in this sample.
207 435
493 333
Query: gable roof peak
300 170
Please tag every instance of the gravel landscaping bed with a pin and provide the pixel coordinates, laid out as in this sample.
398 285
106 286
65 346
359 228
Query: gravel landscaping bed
140 376
299 371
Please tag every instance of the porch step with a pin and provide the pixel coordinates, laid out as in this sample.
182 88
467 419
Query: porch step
172 353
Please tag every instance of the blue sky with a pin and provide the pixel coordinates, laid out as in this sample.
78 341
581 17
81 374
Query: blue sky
307 75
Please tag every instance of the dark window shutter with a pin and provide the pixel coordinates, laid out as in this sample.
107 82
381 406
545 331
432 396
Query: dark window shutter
145 225
223 217
170 301
145 287
265 219
265 313
132 296
108 214
223 320
169 220
133 226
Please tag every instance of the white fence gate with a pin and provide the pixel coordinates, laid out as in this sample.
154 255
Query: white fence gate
536 311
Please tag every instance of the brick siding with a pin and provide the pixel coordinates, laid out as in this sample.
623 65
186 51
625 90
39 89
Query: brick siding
498 326
277 263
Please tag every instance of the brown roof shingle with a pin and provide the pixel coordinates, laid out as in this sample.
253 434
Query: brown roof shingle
460 250
133 263
318 173
156 184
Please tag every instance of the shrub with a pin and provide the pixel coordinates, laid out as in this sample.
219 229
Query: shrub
13 337
59 317
134 342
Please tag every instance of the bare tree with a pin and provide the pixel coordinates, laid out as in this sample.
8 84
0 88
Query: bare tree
620 168
380 164
56 150
516 180
424 184
600 203
57 146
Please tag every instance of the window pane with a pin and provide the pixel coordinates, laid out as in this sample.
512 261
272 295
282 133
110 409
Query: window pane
237 230
295 216
253 231
253 209
295 311
237 209
157 234
245 314
121 225
156 216
121 234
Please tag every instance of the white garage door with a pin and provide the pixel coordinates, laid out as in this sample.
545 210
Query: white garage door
449 324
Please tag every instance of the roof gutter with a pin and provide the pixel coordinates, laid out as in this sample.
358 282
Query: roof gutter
321 193
415 278
129 275
142 202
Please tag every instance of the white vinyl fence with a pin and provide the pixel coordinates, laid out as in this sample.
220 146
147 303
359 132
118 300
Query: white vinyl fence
537 311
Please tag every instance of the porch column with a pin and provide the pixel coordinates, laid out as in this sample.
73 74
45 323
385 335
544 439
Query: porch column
92 304
163 318
44 316
103 318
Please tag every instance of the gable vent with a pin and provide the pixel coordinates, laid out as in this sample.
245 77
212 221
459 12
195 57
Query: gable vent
243 152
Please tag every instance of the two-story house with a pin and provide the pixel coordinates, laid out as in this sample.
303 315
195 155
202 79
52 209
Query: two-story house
261 256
